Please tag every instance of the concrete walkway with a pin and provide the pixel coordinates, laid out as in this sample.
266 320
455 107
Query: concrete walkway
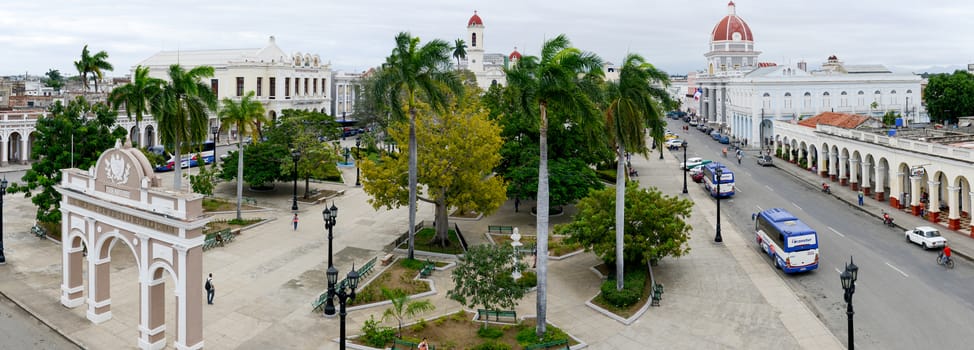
718 297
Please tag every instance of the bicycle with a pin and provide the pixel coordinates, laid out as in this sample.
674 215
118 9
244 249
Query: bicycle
947 262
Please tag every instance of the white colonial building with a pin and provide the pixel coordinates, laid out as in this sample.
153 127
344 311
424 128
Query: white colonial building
281 81
739 94
487 67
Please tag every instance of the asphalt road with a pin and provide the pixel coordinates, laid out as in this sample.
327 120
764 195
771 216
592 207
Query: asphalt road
903 299
20 330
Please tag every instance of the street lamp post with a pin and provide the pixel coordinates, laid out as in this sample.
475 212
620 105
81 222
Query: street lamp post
347 151
3 191
684 144
330 215
295 155
848 278
344 293
215 130
719 173
358 142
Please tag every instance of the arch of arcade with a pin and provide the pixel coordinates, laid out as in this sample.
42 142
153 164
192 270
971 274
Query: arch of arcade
120 201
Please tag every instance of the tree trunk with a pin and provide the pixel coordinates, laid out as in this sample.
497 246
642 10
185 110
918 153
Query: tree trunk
442 221
412 183
240 165
307 187
177 181
542 222
620 212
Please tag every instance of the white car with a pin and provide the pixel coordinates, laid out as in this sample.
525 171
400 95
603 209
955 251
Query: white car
674 144
926 237
694 162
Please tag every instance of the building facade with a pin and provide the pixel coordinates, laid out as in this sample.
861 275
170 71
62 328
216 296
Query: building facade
487 67
345 88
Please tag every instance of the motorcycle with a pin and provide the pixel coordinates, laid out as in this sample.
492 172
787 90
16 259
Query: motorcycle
888 220
827 189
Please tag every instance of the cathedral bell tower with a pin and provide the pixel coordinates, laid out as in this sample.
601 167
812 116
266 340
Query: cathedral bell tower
475 44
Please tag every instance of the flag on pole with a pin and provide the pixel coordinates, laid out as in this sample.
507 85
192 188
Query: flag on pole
696 95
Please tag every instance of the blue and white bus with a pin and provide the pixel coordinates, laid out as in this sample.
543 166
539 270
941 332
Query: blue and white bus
791 244
190 156
722 187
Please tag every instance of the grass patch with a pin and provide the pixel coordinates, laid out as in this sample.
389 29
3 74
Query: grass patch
215 226
626 311
211 204
424 242
459 331
395 277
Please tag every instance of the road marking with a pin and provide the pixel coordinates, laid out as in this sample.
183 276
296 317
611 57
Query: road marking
769 188
836 232
897 270
796 206
759 207
837 270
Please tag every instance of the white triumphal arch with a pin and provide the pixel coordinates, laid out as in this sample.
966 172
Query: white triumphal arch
120 200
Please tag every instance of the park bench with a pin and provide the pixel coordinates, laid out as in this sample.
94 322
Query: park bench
366 269
249 200
554 344
210 242
427 269
500 229
320 303
226 236
405 344
497 314
386 260
657 294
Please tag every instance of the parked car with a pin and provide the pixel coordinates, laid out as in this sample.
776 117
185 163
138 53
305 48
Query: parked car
694 162
674 144
926 237
715 135
697 176
724 139
765 160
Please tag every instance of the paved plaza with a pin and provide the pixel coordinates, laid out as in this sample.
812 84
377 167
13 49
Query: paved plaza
718 297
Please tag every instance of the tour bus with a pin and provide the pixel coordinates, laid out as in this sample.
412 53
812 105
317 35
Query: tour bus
190 156
722 187
791 244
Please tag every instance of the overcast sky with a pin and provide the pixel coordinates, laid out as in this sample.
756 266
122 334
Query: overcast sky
37 35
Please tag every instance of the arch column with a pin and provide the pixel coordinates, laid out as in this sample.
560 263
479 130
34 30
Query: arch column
866 179
915 198
953 211
833 167
5 150
152 312
854 165
822 160
843 176
881 176
189 298
933 203
24 151
72 288
971 194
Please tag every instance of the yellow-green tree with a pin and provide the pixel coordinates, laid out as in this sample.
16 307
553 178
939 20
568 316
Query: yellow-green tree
457 153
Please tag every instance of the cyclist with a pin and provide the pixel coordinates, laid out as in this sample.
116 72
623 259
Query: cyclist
945 254
725 152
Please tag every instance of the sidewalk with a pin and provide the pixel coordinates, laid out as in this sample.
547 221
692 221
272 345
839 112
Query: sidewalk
718 296
960 241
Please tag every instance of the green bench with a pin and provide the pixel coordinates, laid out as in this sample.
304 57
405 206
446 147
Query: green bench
427 269
500 229
497 314
249 200
210 242
657 294
38 231
320 303
366 269
554 344
404 344
226 236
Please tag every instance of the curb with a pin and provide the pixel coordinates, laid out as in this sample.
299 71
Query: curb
43 321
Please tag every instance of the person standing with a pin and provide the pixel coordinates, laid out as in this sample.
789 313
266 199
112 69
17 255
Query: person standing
423 345
860 197
295 221
210 289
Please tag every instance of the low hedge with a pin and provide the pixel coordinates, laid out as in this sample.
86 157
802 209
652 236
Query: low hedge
632 289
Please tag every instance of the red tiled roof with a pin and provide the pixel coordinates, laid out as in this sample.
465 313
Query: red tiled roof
475 20
841 120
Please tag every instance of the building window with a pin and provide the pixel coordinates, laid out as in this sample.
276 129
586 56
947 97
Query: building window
215 86
766 103
324 88
787 100
314 85
807 103
473 39
259 85
287 87
273 87
862 98
305 86
240 83
844 99
826 100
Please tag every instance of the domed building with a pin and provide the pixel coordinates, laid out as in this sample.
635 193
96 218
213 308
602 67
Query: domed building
731 44
487 67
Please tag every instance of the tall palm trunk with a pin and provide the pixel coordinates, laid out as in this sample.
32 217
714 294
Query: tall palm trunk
542 257
620 212
412 182
240 155
177 181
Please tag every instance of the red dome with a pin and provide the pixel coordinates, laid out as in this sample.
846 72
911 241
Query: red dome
515 55
731 24
475 20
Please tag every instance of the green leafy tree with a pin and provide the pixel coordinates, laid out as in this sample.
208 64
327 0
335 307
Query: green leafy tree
303 131
135 96
482 278
459 51
65 139
557 81
264 161
633 105
95 65
181 110
244 115
948 96
410 74
457 153
54 79
655 225
402 307
890 118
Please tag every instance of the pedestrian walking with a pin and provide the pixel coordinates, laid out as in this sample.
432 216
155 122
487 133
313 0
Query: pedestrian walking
860 197
210 289
295 221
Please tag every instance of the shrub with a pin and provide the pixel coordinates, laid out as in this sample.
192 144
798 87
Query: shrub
528 280
526 335
412 264
489 332
632 289
375 335
418 326
492 346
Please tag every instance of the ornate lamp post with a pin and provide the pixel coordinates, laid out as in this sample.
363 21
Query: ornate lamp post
848 278
345 293
684 144
330 215
215 130
358 142
295 155
719 173
3 191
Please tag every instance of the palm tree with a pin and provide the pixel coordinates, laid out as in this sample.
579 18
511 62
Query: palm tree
95 65
134 96
631 108
459 51
245 115
402 307
181 109
558 77
412 72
